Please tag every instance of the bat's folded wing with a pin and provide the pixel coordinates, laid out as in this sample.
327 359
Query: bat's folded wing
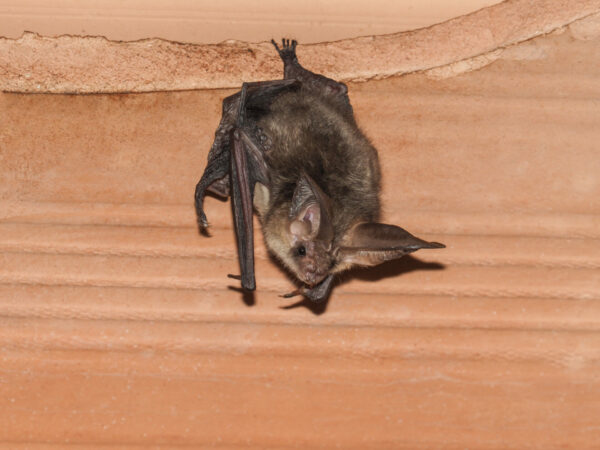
236 163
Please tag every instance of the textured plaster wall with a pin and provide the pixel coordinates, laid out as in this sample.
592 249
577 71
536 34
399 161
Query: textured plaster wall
70 64
119 328
210 22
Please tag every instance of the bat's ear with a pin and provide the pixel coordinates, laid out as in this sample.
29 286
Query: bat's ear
310 213
372 243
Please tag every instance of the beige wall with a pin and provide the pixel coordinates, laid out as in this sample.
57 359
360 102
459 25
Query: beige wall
209 21
120 330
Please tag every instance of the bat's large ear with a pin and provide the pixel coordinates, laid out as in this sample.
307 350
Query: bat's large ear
373 243
310 213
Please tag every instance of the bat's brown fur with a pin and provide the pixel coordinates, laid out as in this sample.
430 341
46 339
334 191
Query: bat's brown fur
308 135
315 179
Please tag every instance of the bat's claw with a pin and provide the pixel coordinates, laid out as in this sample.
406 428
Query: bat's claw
292 294
202 220
287 52
203 224
235 277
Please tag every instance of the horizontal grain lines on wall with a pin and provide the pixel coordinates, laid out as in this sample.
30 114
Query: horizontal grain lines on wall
279 287
115 241
484 258
405 278
346 310
303 341
502 223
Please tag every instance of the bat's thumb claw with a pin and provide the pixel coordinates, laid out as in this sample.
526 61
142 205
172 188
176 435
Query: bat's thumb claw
202 220
235 277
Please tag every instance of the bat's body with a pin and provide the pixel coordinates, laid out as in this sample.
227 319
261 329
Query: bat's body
293 150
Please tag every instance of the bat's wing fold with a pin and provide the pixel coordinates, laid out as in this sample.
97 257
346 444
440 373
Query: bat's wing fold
236 163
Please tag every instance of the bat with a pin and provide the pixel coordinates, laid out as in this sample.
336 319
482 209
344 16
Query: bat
291 150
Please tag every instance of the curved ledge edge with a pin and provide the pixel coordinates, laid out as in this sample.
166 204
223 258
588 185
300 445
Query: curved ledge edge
94 65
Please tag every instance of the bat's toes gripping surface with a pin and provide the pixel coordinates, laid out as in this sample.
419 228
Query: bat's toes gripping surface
287 52
291 294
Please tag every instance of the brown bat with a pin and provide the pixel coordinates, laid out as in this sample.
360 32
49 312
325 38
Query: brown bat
292 149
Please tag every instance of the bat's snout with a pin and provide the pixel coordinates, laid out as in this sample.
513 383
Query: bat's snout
312 275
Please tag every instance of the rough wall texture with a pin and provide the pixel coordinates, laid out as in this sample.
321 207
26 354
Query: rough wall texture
210 22
118 328
71 64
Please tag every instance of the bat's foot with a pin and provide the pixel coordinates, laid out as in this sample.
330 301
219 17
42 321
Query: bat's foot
293 294
287 52
247 285
314 296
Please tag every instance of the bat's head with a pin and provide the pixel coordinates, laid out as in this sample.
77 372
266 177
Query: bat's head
310 232
313 252
308 247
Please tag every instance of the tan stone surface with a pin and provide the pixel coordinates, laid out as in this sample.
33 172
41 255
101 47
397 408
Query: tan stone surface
210 22
72 64
118 328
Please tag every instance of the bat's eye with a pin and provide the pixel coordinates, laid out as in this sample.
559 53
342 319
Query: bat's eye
301 251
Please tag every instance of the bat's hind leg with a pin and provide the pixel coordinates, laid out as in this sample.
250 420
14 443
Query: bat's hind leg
312 82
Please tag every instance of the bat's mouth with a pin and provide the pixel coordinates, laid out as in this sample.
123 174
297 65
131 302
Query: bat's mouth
313 278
